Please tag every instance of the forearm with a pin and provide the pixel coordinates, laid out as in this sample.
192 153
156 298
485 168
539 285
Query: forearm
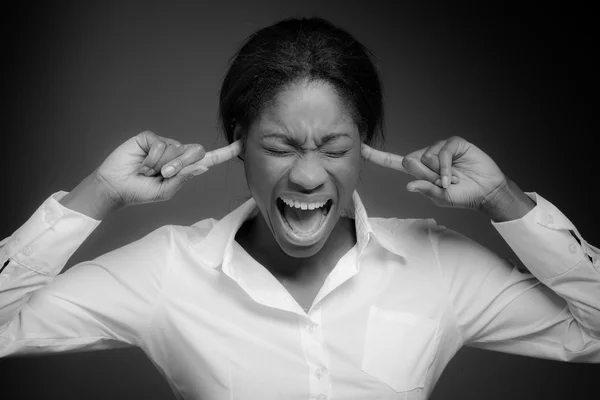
507 203
91 198
548 244
38 251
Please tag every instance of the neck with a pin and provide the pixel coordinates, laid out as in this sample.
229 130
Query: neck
256 238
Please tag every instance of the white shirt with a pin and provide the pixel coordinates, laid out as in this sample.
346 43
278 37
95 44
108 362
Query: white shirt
388 319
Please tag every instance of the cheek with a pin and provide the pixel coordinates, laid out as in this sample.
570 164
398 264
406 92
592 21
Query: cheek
346 171
262 173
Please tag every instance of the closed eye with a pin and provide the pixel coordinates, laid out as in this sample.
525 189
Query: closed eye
279 153
336 154
283 153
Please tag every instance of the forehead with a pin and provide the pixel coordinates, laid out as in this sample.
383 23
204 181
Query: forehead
312 109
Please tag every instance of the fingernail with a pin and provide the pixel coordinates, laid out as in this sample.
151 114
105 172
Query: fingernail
150 172
445 181
412 189
199 171
143 170
168 171
454 179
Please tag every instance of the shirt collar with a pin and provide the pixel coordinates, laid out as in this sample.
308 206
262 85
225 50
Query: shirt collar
217 247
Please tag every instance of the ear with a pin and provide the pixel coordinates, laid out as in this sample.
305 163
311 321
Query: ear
239 134
237 131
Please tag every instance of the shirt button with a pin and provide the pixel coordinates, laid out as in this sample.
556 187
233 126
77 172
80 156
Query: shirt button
49 217
550 219
572 248
27 250
310 328
321 397
319 373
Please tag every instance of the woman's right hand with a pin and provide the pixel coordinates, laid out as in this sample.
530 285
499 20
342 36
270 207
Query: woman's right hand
139 171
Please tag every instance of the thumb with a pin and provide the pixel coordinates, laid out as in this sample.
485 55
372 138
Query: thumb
176 182
428 189
193 170
188 173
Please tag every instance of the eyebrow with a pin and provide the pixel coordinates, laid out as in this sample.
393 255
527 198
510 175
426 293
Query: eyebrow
289 139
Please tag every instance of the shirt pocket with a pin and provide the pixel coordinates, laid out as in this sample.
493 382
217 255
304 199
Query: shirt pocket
399 348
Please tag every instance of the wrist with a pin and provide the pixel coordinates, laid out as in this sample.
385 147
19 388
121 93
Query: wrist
93 198
507 202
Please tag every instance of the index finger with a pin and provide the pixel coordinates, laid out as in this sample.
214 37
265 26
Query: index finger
381 158
221 155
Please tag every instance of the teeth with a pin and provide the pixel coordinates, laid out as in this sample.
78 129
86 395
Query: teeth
302 205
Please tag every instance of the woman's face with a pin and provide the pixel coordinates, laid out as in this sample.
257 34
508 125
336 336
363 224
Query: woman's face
302 162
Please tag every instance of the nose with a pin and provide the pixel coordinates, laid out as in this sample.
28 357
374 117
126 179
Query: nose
308 172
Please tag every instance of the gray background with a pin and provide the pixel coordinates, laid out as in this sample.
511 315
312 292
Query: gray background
80 79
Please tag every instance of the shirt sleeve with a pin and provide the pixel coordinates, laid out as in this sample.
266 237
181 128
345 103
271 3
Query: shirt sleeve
99 304
550 308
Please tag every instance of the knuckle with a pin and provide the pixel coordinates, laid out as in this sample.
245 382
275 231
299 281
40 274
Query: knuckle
198 150
177 164
171 153
410 160
180 149
175 148
444 153
146 132
428 156
156 148
411 164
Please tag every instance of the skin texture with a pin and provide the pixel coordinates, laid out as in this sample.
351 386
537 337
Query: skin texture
286 154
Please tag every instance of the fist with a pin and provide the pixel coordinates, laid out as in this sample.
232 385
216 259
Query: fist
149 168
451 172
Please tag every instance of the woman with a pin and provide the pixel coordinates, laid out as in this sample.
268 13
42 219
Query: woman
297 293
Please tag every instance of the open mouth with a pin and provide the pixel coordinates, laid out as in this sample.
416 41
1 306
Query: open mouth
303 220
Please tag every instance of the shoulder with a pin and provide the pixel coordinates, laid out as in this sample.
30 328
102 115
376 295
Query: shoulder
416 228
411 237
164 238
419 235
188 234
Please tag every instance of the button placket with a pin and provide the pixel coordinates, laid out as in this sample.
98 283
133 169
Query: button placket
316 356
320 372
49 216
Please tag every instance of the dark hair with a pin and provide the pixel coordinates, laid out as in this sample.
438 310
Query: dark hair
294 50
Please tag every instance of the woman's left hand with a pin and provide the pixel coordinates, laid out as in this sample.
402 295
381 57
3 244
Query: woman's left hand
452 172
